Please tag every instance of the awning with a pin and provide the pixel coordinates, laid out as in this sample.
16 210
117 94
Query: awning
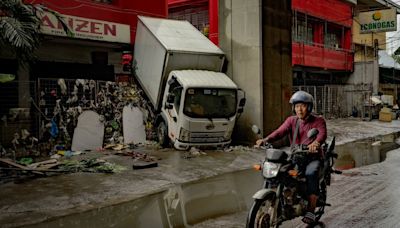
387 61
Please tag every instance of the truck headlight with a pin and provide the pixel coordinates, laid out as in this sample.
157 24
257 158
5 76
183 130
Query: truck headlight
184 135
270 169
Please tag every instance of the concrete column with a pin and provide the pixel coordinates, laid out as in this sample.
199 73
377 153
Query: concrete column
23 87
240 39
277 62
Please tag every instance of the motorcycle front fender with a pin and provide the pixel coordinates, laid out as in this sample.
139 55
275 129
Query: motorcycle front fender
262 193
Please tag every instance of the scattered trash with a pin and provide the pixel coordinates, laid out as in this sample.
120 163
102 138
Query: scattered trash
143 165
55 156
90 165
25 161
193 152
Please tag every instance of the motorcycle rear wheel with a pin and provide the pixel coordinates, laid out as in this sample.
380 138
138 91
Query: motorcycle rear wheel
262 213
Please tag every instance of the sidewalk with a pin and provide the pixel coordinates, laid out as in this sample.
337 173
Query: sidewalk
179 192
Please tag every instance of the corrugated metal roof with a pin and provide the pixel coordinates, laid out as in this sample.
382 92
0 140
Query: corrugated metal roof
194 78
176 35
386 61
378 4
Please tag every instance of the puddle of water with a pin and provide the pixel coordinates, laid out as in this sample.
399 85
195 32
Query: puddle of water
365 152
179 206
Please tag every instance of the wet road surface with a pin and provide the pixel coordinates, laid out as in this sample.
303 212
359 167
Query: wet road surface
367 196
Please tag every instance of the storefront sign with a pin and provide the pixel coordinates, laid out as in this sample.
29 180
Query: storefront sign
85 28
378 21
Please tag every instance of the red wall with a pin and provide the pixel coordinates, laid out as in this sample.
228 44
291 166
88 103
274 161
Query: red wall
336 11
321 57
119 11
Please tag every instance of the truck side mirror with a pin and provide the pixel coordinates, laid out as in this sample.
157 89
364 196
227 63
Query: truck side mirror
168 105
170 101
242 100
170 98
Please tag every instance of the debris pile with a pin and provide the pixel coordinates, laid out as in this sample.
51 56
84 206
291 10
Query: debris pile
24 169
60 104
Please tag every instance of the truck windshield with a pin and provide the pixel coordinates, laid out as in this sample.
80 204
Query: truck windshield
210 103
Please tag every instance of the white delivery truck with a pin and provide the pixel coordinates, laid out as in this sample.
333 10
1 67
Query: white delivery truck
180 71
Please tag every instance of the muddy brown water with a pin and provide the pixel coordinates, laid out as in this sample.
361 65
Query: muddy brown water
189 203
365 152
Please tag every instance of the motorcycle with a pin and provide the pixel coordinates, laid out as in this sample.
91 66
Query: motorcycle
283 196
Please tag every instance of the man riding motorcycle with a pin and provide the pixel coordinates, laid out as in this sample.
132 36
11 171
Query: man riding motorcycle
296 127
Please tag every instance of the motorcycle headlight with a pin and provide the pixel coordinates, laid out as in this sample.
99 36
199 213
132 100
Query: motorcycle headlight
184 135
270 169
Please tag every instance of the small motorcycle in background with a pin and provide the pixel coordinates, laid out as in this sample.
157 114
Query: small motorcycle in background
283 196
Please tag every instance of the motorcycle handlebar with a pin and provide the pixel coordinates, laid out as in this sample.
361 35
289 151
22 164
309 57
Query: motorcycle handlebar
300 149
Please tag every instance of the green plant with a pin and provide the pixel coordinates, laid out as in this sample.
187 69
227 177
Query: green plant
20 27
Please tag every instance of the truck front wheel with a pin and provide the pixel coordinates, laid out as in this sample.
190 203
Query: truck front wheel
162 134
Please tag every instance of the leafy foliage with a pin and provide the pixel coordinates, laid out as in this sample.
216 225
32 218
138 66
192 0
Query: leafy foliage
20 27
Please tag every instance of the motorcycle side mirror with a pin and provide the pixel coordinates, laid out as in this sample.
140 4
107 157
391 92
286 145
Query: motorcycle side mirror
255 129
331 145
312 133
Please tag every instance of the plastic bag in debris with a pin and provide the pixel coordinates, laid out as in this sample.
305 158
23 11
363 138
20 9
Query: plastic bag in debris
53 129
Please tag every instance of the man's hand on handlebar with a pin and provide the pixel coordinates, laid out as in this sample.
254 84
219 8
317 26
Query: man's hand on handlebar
313 147
259 143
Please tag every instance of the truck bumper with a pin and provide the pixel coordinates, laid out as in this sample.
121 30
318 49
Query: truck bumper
185 145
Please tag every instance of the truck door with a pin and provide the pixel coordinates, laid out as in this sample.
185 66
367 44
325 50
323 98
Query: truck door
175 89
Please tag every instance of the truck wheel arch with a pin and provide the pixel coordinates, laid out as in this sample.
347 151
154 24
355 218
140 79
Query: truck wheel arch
160 118
164 141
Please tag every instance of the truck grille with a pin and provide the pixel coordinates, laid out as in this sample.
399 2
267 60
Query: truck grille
207 137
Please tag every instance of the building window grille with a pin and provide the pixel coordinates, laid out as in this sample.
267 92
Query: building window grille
302 30
198 17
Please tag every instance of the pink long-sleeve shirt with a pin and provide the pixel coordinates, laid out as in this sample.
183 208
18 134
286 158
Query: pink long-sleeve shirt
289 126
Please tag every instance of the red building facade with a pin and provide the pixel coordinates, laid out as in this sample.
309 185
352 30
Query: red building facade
203 14
118 11
321 35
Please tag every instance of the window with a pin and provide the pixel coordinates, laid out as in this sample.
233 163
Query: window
176 89
333 37
210 103
302 28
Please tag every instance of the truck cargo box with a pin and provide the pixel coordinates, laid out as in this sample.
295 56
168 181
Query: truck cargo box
163 45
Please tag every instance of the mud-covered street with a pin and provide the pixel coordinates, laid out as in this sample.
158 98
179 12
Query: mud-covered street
189 191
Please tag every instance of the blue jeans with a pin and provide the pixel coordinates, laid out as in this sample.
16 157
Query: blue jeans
312 177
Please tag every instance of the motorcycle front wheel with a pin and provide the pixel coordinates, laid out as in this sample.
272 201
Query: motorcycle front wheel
263 213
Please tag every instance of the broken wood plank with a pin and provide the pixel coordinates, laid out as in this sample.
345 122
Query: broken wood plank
21 167
37 164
